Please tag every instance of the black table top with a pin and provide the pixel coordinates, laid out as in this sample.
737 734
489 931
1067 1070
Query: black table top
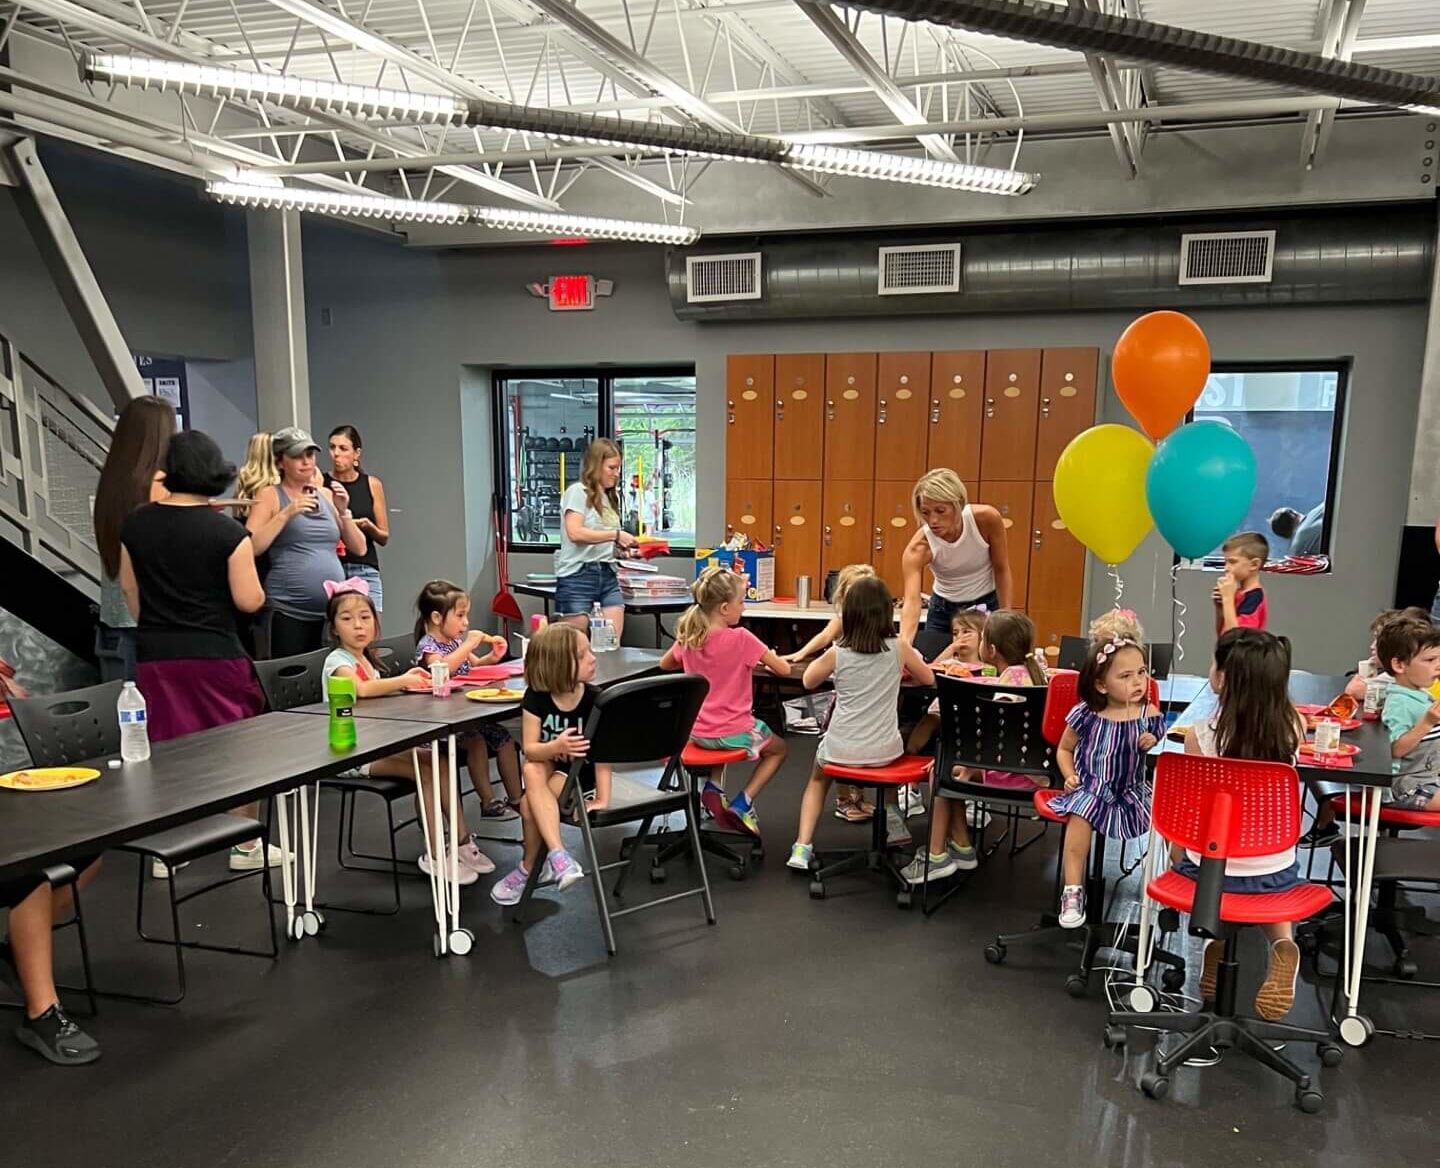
1371 768
632 604
458 712
185 779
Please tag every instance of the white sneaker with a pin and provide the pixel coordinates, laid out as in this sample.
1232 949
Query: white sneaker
1072 907
472 857
253 859
159 870
911 801
976 816
463 874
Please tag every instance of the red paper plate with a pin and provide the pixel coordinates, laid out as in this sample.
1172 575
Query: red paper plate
1348 749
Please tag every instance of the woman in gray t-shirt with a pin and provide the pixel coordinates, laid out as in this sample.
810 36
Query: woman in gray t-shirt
590 539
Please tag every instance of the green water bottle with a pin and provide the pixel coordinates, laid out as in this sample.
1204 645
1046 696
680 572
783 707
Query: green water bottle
341 692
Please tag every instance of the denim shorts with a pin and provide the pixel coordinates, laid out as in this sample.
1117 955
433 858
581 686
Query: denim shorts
940 612
594 582
371 576
1279 881
1416 800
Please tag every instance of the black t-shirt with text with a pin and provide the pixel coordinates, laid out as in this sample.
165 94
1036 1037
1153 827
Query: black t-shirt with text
181 558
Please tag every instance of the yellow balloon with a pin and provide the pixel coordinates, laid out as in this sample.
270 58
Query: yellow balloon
1100 490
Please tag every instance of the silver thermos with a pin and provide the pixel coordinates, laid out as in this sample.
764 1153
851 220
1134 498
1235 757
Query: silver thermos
802 591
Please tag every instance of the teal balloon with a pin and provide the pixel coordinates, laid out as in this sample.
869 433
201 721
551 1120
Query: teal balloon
1199 486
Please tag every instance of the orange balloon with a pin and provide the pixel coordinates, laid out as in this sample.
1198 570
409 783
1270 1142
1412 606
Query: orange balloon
1161 364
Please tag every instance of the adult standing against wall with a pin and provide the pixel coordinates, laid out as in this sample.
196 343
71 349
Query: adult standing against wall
367 505
298 524
964 547
130 478
590 540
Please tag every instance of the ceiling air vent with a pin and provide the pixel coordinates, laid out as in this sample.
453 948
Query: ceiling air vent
723 277
931 267
1227 257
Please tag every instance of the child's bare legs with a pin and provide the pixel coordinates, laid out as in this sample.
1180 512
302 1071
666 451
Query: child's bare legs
812 805
540 810
31 940
772 755
397 766
947 820
1077 850
507 762
922 734
477 761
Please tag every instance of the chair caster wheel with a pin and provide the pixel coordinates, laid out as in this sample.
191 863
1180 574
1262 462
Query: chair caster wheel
1155 1085
461 942
1173 980
1308 941
817 890
1169 920
657 875
1330 1054
312 922
297 928
1309 1101
737 872
1076 985
1115 1037
1356 1031
1143 999
995 953
902 900
1405 967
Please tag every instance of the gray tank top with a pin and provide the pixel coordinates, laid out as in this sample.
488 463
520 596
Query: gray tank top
864 727
302 558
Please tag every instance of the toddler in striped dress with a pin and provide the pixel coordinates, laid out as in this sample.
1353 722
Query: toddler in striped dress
1102 759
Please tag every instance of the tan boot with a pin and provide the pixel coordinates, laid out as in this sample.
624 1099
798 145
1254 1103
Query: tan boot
1210 969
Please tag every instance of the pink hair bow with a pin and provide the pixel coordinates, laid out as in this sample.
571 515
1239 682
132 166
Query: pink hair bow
353 584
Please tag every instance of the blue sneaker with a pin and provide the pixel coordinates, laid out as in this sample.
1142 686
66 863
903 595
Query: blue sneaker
747 819
565 870
801 857
712 798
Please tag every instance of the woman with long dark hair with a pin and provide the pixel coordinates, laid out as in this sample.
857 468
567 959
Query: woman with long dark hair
367 506
130 478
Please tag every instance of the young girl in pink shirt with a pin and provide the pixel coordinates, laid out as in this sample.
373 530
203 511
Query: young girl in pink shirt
709 642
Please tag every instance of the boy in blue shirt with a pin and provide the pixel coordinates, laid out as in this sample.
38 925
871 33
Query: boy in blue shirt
1410 651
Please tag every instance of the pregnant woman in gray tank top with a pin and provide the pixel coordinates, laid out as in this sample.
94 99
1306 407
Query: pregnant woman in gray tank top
300 525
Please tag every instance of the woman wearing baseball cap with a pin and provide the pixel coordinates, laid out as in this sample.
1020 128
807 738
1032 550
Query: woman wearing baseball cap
298 524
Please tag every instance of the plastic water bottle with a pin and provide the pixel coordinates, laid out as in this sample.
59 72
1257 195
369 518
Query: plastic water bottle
341 693
597 629
612 639
134 729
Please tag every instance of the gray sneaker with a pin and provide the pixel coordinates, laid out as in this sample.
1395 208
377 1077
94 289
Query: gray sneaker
55 1037
965 858
940 867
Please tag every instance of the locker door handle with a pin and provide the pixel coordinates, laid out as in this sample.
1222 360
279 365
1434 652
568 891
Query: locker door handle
730 419
779 409
827 535
879 539
777 535
730 413
1044 407
882 411
989 407
934 412
829 409
1037 537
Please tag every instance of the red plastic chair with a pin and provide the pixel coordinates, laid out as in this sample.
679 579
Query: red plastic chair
1223 809
699 762
908 768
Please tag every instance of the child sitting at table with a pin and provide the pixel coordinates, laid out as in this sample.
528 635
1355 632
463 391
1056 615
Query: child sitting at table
1101 757
1239 599
1007 644
1410 651
850 802
443 633
1254 720
710 642
960 658
867 664
1355 687
559 667
354 625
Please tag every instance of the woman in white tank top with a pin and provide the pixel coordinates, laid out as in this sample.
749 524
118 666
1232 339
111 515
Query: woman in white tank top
963 546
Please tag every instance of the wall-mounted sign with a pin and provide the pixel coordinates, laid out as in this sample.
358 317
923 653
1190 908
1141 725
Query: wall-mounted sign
571 293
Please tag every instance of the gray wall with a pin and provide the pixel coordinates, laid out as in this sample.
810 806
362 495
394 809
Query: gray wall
406 323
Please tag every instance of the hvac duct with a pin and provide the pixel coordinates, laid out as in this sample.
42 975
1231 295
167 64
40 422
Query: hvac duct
1316 260
1088 31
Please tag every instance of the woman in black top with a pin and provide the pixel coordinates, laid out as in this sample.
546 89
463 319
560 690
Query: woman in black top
367 507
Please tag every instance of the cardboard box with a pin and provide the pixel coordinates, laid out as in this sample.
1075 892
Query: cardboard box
758 567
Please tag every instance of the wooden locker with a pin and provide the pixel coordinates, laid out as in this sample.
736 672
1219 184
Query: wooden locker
1012 403
1050 627
747 509
799 414
1067 403
797 535
893 526
749 416
849 416
902 415
1012 500
957 396
1057 566
846 536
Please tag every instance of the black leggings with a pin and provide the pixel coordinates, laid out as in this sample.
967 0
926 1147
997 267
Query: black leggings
290 635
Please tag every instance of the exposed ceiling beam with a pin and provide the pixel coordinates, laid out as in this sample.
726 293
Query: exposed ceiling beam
1338 41
1101 77
370 165
823 17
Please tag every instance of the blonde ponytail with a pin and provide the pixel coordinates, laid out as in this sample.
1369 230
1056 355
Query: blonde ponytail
717 585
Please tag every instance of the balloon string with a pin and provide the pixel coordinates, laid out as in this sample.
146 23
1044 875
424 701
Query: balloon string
1177 619
1119 584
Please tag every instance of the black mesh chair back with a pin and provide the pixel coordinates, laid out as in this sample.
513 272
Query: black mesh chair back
645 720
292 681
61 729
992 727
397 654
930 643
1072 652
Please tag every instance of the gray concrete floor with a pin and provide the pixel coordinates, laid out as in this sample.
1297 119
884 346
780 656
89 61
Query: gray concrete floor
794 1032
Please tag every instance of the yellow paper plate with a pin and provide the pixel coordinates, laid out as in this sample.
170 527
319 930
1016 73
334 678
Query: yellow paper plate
495 695
48 778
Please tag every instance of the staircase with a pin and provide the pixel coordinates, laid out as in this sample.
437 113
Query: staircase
52 448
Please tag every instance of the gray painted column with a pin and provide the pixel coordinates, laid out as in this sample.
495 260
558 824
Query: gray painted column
79 290
1424 508
277 313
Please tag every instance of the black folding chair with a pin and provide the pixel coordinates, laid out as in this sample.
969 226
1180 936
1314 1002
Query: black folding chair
930 643
67 728
1160 653
1072 652
67 876
397 654
988 727
643 721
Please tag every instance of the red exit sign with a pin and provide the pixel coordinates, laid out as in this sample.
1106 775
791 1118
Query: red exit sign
572 293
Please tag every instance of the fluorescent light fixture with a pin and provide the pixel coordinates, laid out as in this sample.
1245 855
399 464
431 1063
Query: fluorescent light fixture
1397 44
303 93
929 172
258 193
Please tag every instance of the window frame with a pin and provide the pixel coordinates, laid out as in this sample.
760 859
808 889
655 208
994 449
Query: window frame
605 376
1340 366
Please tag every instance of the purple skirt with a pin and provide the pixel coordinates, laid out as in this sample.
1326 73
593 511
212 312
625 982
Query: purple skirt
187 696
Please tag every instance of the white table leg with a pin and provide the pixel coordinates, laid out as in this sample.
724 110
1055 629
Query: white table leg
1355 1028
311 919
461 941
288 872
437 879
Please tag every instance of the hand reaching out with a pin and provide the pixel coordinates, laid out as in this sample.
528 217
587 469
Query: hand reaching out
572 744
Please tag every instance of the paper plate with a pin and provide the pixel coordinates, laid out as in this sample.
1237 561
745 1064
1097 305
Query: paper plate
1346 748
48 778
495 696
